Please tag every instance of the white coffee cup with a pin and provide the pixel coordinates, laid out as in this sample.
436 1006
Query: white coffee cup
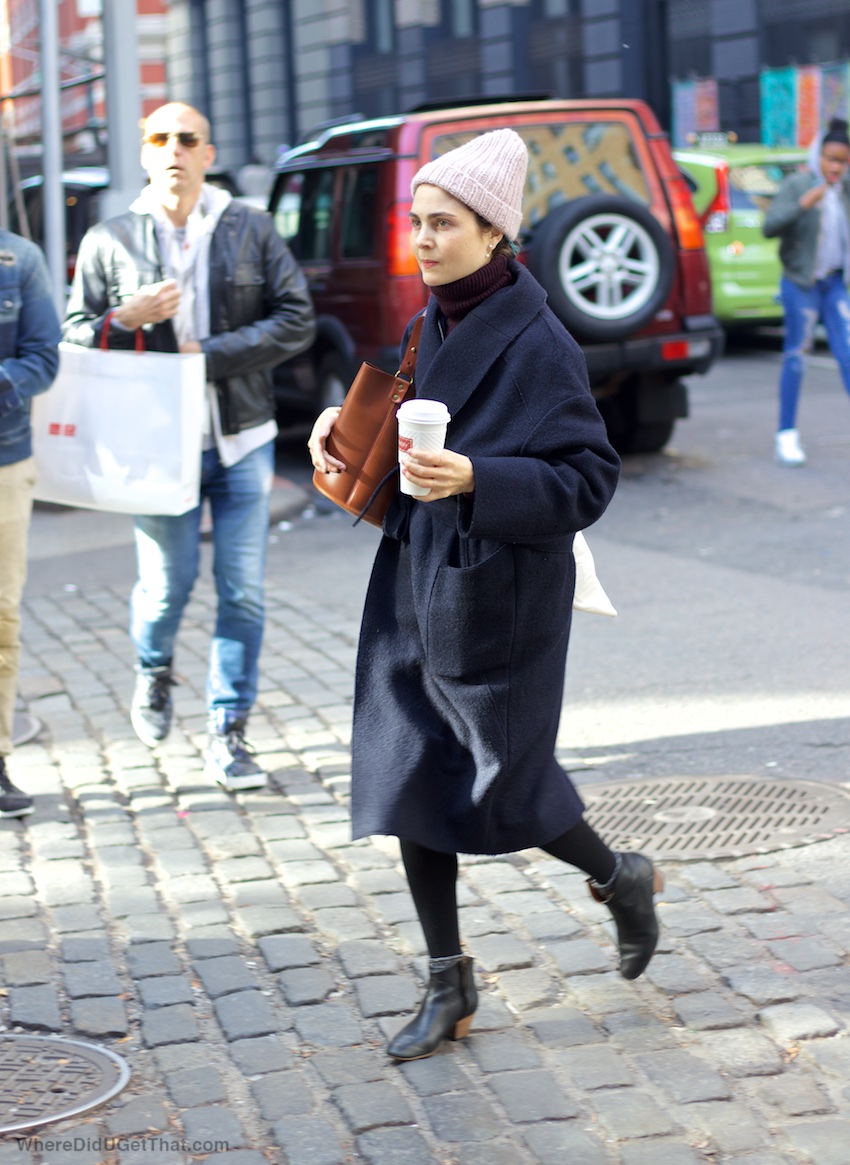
422 425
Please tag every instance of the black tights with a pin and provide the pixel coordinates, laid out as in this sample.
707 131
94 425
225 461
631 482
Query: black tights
433 881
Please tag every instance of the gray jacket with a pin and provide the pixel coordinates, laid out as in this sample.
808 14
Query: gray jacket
799 229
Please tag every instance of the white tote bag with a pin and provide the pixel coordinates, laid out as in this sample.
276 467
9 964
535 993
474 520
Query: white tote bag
121 431
590 594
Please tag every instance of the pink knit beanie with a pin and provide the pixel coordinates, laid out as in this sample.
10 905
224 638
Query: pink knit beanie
487 175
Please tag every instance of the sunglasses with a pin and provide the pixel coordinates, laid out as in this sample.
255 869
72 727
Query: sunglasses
186 139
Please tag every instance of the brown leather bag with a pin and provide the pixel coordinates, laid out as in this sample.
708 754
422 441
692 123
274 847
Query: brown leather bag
365 438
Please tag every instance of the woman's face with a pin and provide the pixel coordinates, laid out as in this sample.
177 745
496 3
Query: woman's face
834 159
446 237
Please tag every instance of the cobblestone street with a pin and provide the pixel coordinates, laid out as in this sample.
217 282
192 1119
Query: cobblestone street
249 961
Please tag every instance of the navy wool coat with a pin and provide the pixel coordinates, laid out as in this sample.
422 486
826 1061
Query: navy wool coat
463 644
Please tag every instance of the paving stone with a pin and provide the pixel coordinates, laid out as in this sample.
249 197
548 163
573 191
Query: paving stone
824 1141
385 995
260 1054
832 1056
213 945
243 869
343 924
394 1147
190 1087
35 1008
555 1143
562 1027
503 1052
629 1113
530 988
69 919
280 1094
149 928
709 1010
372 1105
87 948
17 908
733 1128
282 951
684 1077
552 924
741 900
327 896
796 1095
310 1140
602 994
256 921
763 986
462 1116
394 908
246 1014
638 1031
676 975
238 1157
789 1022
436 1074
366 957
22 934
169 1025
532 1096
742 1052
804 954
27 968
706 876
99 1017
811 901
142 1114
164 990
225 975
684 918
351 1066
580 956
330 1025
500 952
156 958
479 920
658 1153
302 985
724 949
595 1067
87 979
778 926
212 1122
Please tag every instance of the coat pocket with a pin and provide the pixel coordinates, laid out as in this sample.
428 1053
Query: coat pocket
471 617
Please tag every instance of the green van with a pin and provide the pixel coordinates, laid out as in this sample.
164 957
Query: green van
731 186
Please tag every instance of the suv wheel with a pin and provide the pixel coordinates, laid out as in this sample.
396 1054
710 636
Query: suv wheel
333 380
606 264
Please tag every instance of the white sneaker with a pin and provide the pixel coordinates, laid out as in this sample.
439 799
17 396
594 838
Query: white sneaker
788 448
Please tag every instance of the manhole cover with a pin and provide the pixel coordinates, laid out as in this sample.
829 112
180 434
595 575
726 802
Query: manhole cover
44 1079
685 819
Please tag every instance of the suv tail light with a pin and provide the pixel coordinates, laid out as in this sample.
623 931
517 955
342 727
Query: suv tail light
688 226
400 258
715 218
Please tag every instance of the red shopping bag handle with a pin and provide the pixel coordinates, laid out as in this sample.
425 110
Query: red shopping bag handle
104 335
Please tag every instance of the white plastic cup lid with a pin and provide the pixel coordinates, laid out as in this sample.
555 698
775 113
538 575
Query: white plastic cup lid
424 412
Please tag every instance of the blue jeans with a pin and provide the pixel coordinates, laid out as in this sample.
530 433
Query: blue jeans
827 300
168 553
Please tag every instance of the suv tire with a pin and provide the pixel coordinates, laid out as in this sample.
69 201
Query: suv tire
606 264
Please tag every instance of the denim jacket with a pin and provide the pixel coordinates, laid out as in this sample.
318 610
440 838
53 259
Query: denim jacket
29 339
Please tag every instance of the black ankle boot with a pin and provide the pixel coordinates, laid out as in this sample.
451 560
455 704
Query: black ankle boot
629 899
445 1013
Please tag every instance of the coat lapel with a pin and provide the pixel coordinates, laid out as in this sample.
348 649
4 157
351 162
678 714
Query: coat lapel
451 370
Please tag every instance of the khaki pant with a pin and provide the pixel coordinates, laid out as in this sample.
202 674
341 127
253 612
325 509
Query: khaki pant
16 482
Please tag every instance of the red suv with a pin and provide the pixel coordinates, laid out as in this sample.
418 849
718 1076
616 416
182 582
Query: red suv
609 230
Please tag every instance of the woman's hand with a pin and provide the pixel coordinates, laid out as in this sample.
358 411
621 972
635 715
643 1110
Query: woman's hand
317 443
444 473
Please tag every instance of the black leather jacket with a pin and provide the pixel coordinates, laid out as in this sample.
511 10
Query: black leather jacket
260 308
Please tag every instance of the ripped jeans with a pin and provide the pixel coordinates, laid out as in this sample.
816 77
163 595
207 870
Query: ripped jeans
826 300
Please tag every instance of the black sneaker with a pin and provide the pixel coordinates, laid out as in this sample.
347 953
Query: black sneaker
230 759
13 803
152 707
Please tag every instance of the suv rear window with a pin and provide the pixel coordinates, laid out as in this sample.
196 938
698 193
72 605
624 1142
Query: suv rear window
753 187
305 213
571 160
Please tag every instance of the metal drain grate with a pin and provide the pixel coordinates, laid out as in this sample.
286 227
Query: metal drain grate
684 819
45 1079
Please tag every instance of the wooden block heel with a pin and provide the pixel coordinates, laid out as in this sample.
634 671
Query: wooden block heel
461 1028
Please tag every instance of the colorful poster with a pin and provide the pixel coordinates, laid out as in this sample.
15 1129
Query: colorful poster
707 105
808 104
779 107
835 90
684 112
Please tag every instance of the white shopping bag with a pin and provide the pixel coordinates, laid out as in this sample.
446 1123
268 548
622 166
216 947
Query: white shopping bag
121 431
589 594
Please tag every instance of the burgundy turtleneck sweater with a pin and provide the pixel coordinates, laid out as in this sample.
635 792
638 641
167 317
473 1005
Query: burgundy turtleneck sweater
457 299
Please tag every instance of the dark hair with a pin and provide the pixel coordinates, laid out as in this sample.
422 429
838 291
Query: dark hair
836 132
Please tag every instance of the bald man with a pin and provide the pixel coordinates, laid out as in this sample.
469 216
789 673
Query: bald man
200 272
